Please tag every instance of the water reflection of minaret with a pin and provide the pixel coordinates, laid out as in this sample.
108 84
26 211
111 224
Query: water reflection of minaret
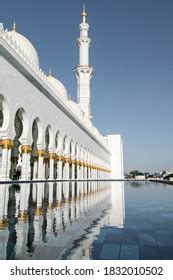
117 215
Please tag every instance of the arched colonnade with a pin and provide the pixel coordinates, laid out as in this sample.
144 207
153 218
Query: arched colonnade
41 151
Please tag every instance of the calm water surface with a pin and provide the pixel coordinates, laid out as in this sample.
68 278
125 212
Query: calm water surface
86 221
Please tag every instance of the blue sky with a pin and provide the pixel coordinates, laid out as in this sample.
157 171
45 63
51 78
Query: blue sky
132 54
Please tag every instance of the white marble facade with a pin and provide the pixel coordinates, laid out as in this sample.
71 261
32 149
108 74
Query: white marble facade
43 133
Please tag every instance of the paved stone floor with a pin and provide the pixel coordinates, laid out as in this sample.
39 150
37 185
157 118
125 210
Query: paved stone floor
147 233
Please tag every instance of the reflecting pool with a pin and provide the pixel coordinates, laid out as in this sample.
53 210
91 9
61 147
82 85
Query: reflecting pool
86 220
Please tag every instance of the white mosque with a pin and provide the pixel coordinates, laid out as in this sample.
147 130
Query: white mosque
42 132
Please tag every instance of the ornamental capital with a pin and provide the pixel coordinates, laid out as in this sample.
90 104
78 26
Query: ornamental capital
52 156
26 149
38 211
3 223
6 144
40 153
60 158
67 160
23 216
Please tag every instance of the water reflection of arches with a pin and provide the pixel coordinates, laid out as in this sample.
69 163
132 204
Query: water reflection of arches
31 217
12 221
36 212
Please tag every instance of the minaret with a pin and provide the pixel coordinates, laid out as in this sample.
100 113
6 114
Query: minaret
84 71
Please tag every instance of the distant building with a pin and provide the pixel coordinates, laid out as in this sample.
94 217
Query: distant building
140 176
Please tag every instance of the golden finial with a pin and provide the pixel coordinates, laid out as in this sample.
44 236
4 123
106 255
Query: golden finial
84 14
50 73
69 97
14 26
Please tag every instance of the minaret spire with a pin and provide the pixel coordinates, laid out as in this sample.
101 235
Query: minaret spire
50 72
14 26
84 71
84 14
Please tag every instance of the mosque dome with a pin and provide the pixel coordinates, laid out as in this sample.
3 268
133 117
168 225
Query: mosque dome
57 86
76 108
25 45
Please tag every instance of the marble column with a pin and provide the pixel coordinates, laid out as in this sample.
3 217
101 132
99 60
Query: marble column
44 168
89 187
66 169
40 171
92 172
25 171
4 195
55 168
51 166
35 168
6 145
89 172
86 172
95 172
92 176
78 170
59 168
73 170
98 173
9 163
81 171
